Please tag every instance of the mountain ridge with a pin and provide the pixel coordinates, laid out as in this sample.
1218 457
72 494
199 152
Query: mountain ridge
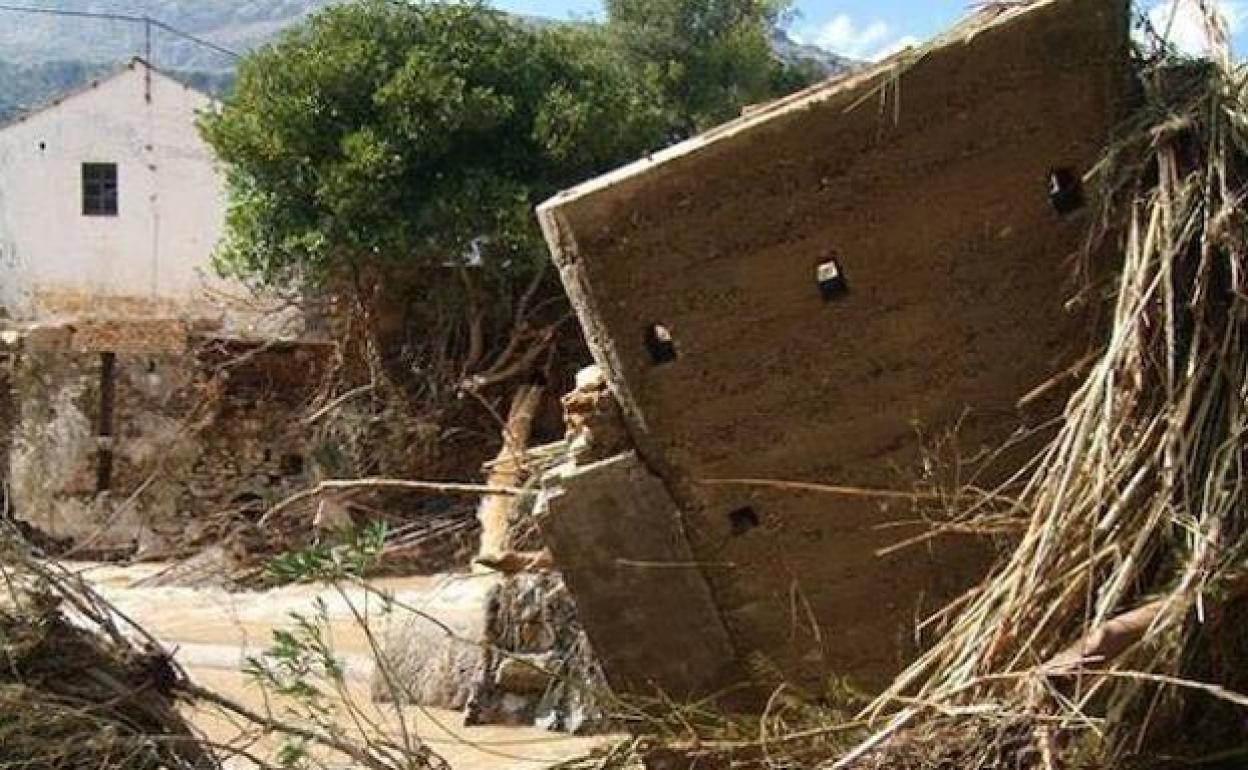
35 66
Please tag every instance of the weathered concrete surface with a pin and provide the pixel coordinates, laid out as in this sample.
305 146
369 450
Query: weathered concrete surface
616 535
926 182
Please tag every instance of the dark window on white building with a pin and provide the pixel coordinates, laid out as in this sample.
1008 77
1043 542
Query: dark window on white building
99 189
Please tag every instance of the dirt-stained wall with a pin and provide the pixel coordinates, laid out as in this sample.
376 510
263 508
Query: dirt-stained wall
199 434
802 294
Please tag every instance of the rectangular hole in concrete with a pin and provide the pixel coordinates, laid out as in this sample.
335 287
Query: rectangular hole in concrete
660 345
1065 191
743 520
831 280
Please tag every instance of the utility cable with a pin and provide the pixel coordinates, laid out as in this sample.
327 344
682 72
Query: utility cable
147 21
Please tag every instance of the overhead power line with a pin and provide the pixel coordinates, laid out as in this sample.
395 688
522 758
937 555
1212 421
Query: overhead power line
147 21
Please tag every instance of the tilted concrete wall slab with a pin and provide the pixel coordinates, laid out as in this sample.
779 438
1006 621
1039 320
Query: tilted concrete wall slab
617 536
919 194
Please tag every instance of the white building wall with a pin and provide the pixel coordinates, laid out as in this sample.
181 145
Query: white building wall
153 259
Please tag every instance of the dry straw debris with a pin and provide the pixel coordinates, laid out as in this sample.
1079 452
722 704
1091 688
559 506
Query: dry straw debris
75 691
81 686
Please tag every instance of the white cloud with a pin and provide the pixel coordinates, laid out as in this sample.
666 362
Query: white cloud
842 34
896 46
1183 24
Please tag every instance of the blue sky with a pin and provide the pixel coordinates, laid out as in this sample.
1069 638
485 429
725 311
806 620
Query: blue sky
859 28
867 29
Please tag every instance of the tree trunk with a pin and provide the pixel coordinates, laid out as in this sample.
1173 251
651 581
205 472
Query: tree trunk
507 470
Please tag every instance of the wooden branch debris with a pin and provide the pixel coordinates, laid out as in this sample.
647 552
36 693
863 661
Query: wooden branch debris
508 469
337 402
831 489
359 485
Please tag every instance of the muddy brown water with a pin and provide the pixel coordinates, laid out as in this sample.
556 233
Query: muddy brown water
213 632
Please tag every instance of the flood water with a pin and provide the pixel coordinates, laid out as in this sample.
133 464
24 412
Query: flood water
213 631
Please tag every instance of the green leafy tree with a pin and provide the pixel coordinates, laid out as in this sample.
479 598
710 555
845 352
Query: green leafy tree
414 134
709 57
419 133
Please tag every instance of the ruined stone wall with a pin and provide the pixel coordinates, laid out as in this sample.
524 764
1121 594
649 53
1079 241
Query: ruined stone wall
803 294
200 434
52 470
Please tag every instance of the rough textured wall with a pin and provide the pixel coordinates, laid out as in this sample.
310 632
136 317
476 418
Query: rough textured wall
929 194
51 474
199 432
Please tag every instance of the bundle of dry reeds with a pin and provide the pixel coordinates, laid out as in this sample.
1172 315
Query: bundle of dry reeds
1116 629
75 691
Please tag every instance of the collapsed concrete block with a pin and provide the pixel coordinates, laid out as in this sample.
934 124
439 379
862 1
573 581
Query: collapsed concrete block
617 537
790 296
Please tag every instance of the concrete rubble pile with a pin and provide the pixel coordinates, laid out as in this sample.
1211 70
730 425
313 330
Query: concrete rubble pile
538 667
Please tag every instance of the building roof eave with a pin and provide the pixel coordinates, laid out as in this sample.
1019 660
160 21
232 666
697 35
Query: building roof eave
93 84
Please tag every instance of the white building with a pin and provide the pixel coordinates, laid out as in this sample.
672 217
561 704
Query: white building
111 207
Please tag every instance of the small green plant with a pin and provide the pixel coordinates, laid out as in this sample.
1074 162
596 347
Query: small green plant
353 557
308 681
293 753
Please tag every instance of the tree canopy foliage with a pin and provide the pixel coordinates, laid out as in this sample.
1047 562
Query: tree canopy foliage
424 132
709 57
419 133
